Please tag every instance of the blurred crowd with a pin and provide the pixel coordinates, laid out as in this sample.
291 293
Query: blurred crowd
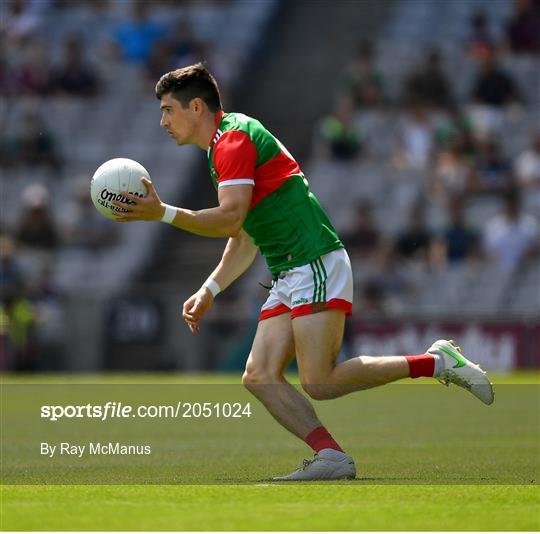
41 68
33 66
460 148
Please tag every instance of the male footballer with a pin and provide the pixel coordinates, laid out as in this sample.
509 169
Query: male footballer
265 204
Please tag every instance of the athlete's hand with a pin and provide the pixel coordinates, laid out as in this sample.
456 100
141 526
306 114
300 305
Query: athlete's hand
195 307
148 208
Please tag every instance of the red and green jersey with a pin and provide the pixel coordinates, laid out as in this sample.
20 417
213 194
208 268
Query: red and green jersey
285 220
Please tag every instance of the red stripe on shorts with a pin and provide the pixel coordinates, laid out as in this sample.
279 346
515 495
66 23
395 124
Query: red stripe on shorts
332 304
272 312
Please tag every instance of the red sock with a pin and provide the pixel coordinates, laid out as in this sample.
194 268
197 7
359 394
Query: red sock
421 365
320 439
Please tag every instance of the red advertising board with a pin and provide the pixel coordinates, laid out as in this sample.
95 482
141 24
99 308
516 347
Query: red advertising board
495 346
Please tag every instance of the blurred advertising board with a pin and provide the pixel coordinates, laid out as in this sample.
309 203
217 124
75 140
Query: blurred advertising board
495 346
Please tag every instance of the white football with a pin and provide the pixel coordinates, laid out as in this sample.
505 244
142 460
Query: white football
111 179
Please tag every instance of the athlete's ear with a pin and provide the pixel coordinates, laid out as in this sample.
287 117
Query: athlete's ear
196 105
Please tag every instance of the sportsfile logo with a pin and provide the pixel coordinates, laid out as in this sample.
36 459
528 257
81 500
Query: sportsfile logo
120 410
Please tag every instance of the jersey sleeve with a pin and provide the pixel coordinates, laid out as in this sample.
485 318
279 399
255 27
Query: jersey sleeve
235 157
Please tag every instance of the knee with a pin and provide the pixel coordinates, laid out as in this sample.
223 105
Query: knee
317 390
249 378
257 376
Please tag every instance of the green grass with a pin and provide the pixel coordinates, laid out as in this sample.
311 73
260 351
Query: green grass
428 458
298 507
517 377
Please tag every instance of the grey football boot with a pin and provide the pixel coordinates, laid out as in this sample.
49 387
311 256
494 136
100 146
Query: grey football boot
327 464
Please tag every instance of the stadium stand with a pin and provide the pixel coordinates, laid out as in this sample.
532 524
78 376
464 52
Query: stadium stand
55 134
393 176
440 109
461 150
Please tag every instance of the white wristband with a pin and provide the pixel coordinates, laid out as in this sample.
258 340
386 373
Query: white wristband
212 286
169 215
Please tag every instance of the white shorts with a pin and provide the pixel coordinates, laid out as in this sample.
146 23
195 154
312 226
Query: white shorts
324 284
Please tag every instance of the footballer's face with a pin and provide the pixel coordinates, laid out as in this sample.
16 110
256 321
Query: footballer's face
180 123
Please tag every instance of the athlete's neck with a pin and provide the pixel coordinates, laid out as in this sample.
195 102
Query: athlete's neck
210 129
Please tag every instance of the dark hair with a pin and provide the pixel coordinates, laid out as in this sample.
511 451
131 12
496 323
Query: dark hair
188 83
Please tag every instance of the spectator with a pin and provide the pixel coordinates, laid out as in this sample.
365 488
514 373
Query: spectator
364 237
493 86
33 145
460 240
428 84
372 301
527 167
84 228
362 81
11 273
181 49
184 47
511 237
35 74
523 29
159 62
339 139
21 20
16 314
450 174
75 77
492 172
415 139
456 131
414 242
137 37
480 42
385 292
49 322
36 229
437 254
17 331
8 74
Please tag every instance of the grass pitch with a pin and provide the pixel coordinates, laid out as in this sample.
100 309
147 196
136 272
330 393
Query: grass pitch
430 459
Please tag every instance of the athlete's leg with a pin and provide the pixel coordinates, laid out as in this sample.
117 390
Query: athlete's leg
317 339
272 351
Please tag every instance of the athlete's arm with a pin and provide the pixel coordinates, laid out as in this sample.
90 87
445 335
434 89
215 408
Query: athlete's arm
237 257
224 220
